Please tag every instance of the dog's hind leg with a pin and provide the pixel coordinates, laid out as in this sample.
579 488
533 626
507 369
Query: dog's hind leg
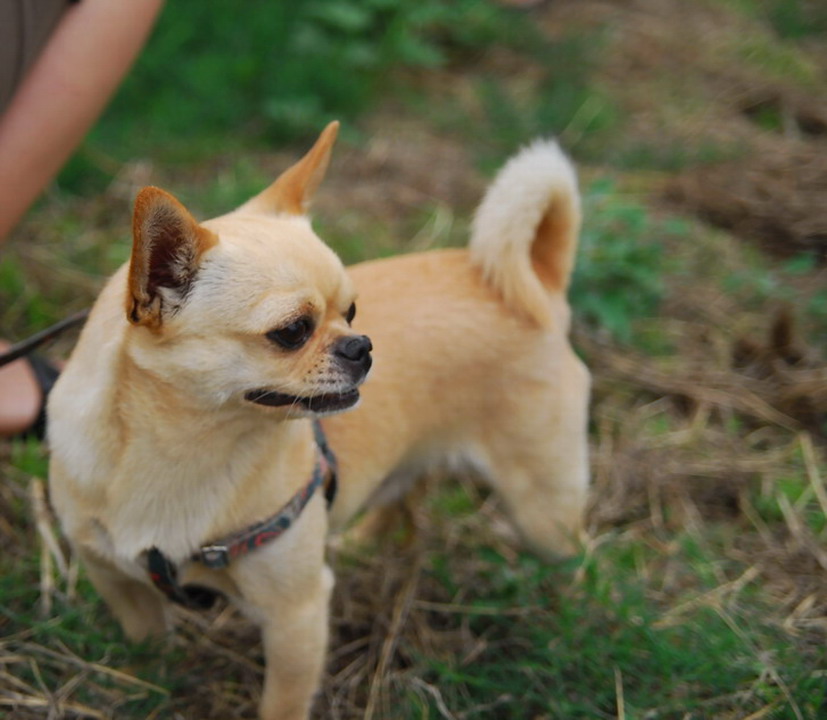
539 467
546 507
141 611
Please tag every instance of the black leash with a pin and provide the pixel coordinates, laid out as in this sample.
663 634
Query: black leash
24 347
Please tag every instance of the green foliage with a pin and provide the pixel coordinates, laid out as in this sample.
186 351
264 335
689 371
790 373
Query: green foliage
30 458
761 284
782 61
790 492
25 302
564 102
228 189
797 19
817 308
670 156
769 117
790 19
216 77
619 274
802 264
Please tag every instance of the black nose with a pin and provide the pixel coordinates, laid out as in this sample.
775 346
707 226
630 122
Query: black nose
355 350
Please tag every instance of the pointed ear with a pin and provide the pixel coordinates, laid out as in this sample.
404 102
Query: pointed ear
292 192
167 245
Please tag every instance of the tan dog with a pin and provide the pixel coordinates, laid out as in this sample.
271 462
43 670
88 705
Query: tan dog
183 413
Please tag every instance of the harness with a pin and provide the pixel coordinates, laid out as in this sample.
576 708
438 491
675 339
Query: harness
220 553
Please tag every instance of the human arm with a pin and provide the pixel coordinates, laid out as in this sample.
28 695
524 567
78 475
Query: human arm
79 69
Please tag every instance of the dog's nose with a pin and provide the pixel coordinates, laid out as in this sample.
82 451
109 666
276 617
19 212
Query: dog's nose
355 350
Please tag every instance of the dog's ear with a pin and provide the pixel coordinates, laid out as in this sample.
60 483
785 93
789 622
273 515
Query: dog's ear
167 245
293 190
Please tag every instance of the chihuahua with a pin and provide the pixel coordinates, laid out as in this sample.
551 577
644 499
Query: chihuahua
200 414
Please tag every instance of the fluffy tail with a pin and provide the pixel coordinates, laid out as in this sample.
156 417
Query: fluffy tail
524 234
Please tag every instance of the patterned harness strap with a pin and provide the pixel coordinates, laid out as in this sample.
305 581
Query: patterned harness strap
220 553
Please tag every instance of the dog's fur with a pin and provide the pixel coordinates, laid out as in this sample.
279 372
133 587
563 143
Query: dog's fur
156 442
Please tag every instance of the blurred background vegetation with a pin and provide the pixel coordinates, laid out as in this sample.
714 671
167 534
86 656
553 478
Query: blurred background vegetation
700 299
215 80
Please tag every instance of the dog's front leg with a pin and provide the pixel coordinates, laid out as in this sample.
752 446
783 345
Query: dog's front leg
285 588
294 634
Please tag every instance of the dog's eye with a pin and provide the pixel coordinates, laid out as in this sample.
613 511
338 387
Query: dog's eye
351 313
294 335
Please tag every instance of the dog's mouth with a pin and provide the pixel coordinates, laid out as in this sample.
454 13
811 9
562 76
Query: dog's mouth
324 403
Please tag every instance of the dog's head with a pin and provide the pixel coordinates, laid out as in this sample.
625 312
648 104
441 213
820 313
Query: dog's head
249 308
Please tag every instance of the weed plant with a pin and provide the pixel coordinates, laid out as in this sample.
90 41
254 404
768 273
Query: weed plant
621 264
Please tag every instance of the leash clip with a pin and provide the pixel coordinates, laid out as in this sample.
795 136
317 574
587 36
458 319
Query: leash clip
215 556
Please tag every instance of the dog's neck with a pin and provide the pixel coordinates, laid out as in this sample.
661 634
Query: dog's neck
177 424
209 471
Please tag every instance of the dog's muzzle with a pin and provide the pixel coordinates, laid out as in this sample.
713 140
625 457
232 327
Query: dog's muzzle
352 353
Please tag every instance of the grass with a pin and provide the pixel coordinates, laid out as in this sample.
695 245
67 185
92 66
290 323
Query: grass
604 644
790 19
660 624
700 592
563 101
781 62
619 278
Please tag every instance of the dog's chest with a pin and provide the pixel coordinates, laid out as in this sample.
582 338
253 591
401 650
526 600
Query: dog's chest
175 505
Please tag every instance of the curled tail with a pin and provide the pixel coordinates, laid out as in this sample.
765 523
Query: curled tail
524 234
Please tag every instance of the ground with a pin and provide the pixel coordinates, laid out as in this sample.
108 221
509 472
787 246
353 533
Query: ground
700 131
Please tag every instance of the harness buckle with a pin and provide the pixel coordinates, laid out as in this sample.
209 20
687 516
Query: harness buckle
215 556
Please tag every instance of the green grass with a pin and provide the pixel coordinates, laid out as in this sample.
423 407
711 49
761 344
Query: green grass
28 302
672 157
555 649
621 264
80 627
563 102
792 491
775 60
789 19
798 18
84 628
759 284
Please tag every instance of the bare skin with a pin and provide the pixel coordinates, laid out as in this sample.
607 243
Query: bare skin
77 72
19 396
